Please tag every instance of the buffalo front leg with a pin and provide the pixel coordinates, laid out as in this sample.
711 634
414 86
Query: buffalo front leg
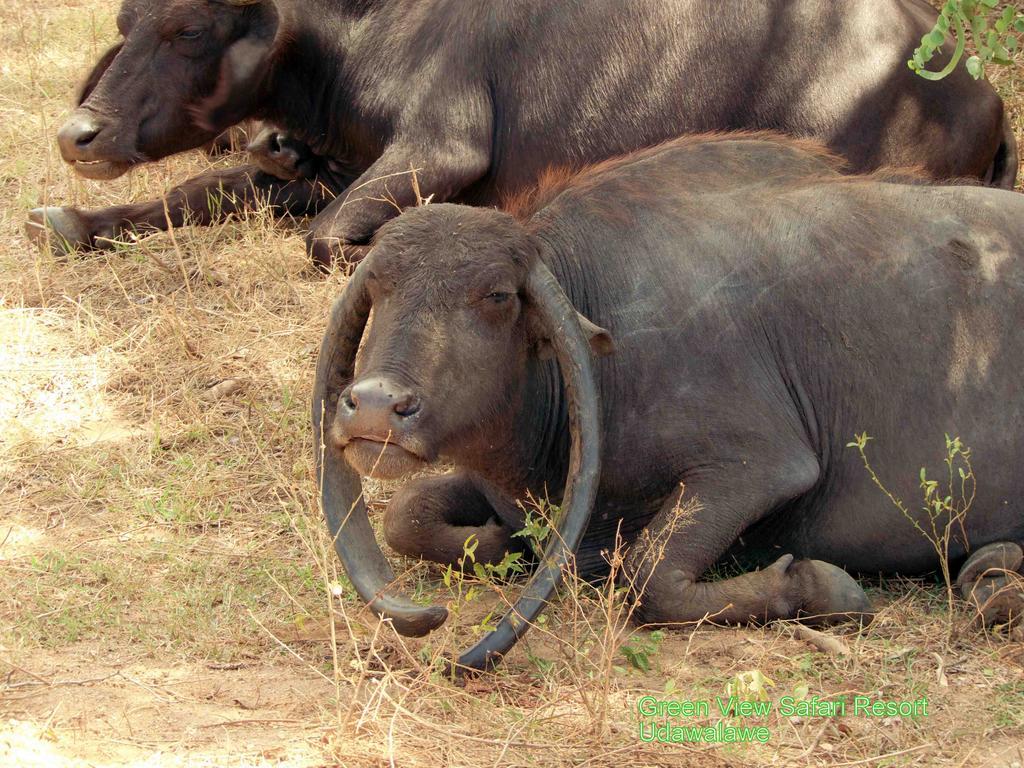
434 518
398 179
202 200
665 565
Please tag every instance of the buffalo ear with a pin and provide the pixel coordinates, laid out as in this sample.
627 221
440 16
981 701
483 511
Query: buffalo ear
242 70
601 342
100 67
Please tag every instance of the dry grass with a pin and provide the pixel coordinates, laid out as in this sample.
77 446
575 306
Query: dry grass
167 595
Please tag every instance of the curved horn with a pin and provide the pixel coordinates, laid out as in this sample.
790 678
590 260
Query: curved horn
341 491
573 353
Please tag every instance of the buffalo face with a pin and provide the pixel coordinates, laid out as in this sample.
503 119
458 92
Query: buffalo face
185 70
445 360
450 336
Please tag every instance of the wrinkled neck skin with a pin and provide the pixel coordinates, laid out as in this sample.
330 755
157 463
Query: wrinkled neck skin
526 449
310 90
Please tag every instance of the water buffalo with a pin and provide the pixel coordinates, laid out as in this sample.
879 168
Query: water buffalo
752 310
481 97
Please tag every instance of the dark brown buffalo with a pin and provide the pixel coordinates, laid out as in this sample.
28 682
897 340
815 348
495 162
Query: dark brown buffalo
481 97
752 310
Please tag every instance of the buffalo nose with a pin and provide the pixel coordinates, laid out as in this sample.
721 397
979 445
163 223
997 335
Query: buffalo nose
77 134
377 395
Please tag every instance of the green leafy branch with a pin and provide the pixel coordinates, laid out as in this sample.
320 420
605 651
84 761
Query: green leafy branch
992 32
945 505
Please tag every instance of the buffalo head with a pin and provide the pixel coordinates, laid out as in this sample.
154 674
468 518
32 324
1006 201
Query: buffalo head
462 303
185 71
453 328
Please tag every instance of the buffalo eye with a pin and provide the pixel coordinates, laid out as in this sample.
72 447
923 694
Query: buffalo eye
499 297
190 33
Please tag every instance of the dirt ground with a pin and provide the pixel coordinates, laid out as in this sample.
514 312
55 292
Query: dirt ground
167 595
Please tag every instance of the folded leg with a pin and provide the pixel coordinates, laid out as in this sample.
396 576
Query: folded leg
433 517
666 564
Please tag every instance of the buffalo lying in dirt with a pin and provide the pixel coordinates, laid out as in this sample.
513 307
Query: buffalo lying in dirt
752 310
482 97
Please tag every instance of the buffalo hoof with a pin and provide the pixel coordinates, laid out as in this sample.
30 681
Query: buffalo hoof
830 594
61 231
277 155
990 581
1000 556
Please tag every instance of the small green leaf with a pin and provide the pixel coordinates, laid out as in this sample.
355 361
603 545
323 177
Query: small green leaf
975 67
469 547
1003 22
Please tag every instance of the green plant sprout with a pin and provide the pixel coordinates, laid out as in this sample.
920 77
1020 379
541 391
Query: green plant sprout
639 651
945 506
537 525
751 685
992 32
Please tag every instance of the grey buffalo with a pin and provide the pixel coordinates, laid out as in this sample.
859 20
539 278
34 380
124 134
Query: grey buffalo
481 97
748 310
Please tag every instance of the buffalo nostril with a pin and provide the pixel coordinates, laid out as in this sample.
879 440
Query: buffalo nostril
85 136
77 136
274 143
349 400
407 406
